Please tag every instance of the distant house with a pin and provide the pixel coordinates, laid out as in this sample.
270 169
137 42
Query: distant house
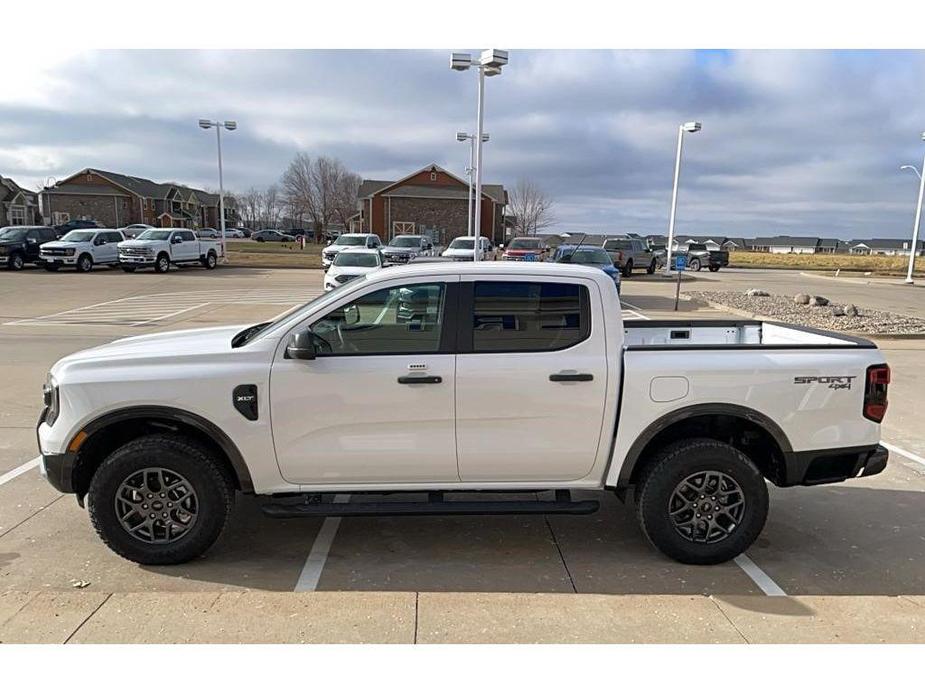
430 200
18 206
735 244
786 244
829 246
116 200
884 247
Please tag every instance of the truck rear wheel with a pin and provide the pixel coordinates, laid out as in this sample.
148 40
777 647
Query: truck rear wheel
714 268
162 264
651 269
701 501
160 499
628 268
210 261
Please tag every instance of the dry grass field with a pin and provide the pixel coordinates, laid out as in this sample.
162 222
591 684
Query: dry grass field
878 264
271 254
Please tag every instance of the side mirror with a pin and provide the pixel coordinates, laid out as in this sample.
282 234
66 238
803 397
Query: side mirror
301 346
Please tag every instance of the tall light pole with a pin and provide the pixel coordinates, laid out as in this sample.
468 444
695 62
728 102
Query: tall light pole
689 127
205 124
462 137
489 64
918 219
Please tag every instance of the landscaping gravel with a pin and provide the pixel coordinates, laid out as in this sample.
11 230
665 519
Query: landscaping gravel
785 309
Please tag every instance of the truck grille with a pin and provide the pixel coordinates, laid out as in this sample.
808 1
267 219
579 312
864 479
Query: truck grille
140 252
55 251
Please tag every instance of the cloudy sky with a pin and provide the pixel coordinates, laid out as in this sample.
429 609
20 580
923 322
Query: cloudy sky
795 142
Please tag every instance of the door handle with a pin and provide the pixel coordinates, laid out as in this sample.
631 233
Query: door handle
406 380
564 378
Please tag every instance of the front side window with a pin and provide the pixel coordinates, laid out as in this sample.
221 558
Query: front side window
529 316
187 236
397 320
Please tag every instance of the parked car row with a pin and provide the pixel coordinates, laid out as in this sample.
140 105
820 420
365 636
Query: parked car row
84 248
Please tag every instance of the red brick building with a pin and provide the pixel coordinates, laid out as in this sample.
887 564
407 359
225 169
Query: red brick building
117 200
432 201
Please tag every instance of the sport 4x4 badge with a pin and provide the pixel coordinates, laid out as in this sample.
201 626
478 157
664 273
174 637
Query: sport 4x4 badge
833 382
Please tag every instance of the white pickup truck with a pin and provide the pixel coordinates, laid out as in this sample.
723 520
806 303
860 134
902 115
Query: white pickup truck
161 248
454 378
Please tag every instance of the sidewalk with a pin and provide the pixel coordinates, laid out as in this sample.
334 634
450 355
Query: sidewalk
404 617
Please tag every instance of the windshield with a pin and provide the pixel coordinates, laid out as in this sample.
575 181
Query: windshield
12 234
406 242
350 241
461 243
357 259
248 334
78 236
595 256
618 245
522 244
154 235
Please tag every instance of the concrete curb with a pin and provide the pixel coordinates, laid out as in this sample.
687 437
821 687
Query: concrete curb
409 617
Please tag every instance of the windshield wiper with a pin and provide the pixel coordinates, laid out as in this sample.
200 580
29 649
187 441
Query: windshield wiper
243 337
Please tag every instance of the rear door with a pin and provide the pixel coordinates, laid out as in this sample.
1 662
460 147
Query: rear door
531 379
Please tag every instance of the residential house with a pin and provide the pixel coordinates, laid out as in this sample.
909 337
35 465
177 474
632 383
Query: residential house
18 206
786 244
429 201
884 247
116 200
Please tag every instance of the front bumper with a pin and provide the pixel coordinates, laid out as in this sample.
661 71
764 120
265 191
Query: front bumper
60 260
135 261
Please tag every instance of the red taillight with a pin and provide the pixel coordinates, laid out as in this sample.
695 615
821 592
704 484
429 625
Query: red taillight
875 389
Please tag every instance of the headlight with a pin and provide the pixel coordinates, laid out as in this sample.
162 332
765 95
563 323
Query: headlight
52 401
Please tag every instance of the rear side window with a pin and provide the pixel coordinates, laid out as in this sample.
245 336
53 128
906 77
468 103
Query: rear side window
529 316
187 236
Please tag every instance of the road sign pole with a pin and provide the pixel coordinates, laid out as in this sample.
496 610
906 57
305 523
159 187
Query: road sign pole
680 262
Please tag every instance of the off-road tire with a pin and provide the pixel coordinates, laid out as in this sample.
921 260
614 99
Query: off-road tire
673 464
162 263
16 261
214 491
84 263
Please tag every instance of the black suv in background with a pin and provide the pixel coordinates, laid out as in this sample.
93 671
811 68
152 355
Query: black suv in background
20 245
62 229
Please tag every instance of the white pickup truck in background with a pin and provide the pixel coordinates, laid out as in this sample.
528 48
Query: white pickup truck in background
161 248
443 379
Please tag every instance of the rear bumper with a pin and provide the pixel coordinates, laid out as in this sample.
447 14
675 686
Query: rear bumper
835 465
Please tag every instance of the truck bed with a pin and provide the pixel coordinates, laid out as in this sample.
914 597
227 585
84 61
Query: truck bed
726 334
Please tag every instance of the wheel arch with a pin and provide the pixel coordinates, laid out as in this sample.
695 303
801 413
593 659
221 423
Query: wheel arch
748 430
109 431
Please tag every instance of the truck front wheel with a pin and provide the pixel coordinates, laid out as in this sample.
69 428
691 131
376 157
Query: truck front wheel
701 501
162 264
695 265
160 499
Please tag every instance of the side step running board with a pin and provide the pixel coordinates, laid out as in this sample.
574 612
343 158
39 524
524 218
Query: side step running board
429 508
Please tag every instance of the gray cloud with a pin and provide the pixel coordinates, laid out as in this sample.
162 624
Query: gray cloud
793 141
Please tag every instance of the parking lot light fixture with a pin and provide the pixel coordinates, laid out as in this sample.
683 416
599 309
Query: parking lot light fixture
918 220
205 124
910 167
689 127
463 137
489 64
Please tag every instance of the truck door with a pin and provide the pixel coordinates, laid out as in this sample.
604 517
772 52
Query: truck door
531 379
376 405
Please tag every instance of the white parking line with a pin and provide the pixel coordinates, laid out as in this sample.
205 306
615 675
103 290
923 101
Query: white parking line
314 563
761 579
16 472
906 454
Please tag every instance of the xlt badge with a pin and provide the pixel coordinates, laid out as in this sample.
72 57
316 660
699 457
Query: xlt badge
244 399
833 382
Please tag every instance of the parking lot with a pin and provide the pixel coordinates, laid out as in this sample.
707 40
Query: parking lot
861 538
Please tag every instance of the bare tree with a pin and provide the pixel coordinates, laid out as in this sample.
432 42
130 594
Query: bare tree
531 208
323 188
249 205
